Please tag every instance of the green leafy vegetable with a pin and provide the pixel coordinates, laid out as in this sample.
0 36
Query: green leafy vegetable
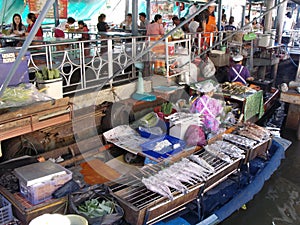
93 208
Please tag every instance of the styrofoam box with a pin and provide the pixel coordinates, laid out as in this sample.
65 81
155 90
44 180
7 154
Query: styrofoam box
42 191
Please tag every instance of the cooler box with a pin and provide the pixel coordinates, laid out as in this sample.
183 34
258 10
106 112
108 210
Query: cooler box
7 59
39 180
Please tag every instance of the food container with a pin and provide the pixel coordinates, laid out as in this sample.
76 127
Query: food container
176 145
39 180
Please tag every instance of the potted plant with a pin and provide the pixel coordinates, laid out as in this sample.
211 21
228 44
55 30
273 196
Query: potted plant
50 82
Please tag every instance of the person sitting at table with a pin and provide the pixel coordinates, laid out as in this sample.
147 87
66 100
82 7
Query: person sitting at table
156 28
238 72
17 27
102 26
127 23
31 18
59 31
82 27
209 107
143 21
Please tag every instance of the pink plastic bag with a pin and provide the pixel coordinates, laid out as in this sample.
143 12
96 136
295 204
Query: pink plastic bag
194 135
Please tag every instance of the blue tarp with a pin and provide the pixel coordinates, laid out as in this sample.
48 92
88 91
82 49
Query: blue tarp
263 170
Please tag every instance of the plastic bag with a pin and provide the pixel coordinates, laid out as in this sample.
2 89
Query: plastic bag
92 192
194 136
207 68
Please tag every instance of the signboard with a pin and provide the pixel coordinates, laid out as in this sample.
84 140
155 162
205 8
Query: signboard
36 6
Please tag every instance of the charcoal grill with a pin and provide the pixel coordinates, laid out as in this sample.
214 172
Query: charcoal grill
142 206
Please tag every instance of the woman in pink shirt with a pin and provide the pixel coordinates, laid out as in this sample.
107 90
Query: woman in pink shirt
156 28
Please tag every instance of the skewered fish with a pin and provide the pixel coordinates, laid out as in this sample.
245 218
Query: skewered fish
202 162
240 140
259 130
171 182
217 153
153 184
229 149
246 133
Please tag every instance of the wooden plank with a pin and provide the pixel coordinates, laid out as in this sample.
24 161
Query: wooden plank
34 108
290 97
97 172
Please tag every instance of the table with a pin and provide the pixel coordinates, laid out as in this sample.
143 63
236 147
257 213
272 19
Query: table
115 34
296 51
293 118
43 40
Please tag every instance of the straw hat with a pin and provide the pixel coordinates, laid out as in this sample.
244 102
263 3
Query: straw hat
237 58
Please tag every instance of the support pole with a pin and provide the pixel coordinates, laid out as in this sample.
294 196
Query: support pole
279 31
148 10
56 13
267 29
26 44
219 14
134 28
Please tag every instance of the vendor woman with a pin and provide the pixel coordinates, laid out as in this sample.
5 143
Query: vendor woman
208 106
238 72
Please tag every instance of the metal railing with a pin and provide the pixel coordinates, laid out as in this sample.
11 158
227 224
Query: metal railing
86 65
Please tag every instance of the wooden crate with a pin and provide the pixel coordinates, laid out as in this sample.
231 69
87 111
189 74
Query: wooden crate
25 212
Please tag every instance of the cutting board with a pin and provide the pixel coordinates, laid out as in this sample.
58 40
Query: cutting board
97 172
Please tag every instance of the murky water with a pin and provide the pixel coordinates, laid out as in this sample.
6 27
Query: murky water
278 203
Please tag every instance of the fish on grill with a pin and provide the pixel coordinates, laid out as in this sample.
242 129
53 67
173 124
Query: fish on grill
186 172
189 171
180 176
258 130
199 169
157 186
202 162
172 182
240 140
229 149
211 150
247 133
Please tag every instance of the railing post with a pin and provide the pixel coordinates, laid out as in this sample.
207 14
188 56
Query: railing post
110 61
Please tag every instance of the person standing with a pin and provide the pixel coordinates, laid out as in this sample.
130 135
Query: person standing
288 23
156 28
17 26
238 72
143 21
208 23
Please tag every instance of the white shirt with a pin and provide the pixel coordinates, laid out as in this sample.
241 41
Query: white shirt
288 24
193 26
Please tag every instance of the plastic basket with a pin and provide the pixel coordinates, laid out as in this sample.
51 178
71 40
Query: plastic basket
5 211
148 147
